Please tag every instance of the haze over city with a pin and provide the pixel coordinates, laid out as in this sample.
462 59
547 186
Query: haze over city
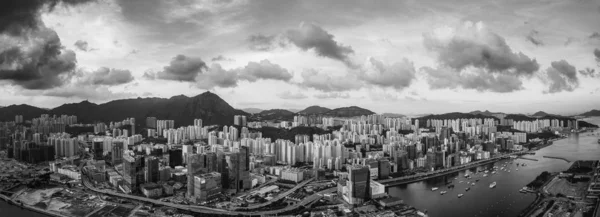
408 57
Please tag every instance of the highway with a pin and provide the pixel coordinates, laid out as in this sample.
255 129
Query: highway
214 211
277 198
423 176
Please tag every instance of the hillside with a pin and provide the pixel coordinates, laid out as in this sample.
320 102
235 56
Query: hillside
486 113
352 111
207 106
252 110
593 112
393 115
314 110
540 114
274 115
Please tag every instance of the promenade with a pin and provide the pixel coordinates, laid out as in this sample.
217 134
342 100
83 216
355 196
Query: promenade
436 173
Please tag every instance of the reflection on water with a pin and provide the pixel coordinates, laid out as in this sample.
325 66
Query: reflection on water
505 199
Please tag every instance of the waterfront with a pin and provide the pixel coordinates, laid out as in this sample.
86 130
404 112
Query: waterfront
504 200
10 210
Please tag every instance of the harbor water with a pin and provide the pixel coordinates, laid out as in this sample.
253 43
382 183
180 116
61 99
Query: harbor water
505 199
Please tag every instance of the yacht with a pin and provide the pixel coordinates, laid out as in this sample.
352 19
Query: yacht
493 172
460 195
486 171
508 171
493 185
476 180
517 169
473 184
466 175
442 192
434 189
485 175
467 189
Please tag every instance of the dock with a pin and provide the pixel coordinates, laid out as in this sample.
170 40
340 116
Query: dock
559 158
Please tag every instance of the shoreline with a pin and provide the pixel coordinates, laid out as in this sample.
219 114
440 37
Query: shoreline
30 208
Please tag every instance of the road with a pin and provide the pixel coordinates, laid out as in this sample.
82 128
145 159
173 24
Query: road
210 210
275 199
423 176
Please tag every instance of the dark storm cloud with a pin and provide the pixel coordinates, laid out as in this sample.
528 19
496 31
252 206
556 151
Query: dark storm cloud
19 16
107 76
216 76
263 70
82 45
597 54
310 36
40 64
595 35
290 95
478 80
533 37
561 76
474 46
182 68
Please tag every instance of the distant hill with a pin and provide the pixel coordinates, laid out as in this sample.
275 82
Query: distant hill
351 111
274 115
294 110
252 110
455 115
314 110
593 112
207 106
486 112
393 115
540 114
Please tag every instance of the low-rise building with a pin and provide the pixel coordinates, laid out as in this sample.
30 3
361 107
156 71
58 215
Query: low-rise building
151 190
292 174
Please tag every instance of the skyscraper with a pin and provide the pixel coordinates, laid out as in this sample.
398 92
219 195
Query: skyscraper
358 184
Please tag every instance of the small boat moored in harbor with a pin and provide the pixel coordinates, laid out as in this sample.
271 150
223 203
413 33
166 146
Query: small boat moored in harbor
434 189
493 185
460 195
442 192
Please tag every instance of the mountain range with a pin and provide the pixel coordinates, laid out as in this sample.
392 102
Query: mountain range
252 110
314 110
593 112
207 106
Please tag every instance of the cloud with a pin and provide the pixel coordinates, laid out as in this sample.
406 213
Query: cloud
399 75
326 82
595 35
588 72
561 76
182 68
149 75
290 95
310 36
446 78
263 70
473 45
332 95
36 60
107 76
260 42
216 76
81 45
533 37
20 16
597 54
221 58
86 92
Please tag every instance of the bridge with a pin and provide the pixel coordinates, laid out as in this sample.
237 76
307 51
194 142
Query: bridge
559 158
436 173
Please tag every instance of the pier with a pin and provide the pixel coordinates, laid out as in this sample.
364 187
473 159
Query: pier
559 158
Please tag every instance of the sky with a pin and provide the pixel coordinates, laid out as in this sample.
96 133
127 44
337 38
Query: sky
407 57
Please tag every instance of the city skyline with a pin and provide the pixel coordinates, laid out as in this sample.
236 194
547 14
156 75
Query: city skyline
403 57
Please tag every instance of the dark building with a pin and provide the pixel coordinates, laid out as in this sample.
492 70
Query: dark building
411 151
175 157
151 122
151 169
133 171
116 153
384 169
97 147
359 184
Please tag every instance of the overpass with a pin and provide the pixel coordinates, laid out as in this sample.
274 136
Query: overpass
436 173
275 199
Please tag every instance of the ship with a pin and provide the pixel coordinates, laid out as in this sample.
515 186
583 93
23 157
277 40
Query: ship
467 189
442 192
473 184
493 185
434 189
485 175
460 195
493 172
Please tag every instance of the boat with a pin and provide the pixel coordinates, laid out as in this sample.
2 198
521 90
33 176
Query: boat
487 171
485 175
598 141
467 189
451 186
493 172
460 181
442 192
473 184
493 185
508 171
476 180
455 178
434 189
466 175
517 169
460 195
